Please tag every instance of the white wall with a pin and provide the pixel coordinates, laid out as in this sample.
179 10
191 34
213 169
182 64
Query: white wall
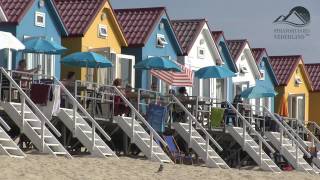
252 74
194 62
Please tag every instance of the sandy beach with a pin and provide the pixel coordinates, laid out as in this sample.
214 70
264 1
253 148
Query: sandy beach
38 167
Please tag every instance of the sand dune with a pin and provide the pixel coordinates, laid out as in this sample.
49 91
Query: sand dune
39 167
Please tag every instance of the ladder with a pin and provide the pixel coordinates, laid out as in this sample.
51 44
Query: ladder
296 126
85 133
142 139
147 140
290 151
31 121
289 147
81 129
35 129
7 145
195 141
248 144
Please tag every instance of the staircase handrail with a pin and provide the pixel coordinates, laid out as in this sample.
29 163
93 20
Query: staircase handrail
251 128
297 143
43 118
4 124
196 122
85 112
314 138
128 103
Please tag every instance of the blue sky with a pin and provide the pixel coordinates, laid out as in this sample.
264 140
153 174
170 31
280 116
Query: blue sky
246 19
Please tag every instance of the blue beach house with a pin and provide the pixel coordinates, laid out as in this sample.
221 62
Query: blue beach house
149 34
268 77
226 56
32 19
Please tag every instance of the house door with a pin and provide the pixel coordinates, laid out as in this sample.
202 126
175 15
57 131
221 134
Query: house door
124 69
241 87
297 107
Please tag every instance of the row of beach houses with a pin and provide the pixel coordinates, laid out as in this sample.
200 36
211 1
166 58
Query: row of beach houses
128 36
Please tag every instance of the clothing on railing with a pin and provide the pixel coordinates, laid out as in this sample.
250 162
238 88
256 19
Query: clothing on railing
41 93
53 105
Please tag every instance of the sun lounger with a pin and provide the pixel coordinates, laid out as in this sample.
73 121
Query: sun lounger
175 152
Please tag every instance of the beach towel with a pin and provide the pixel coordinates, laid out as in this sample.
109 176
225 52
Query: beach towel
216 116
156 117
40 93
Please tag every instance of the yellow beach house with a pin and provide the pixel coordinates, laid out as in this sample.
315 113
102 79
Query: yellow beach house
92 26
314 104
294 87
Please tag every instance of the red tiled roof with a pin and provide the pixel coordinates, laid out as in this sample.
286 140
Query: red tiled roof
216 35
314 74
138 23
257 53
187 32
77 15
15 9
284 67
236 47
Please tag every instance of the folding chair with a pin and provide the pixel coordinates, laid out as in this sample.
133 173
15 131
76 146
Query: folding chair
174 150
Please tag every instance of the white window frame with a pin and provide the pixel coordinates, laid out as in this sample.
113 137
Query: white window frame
101 34
201 56
161 41
40 24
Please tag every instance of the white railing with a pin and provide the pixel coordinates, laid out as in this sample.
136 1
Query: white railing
283 130
192 120
315 127
76 106
246 124
314 139
4 124
134 112
36 110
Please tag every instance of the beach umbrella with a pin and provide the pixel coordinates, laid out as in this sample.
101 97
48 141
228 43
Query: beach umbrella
218 72
258 91
158 63
86 59
40 45
8 41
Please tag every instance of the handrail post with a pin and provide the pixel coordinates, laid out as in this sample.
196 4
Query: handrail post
260 151
74 118
190 132
132 126
281 139
151 144
1 86
244 133
93 136
23 102
297 156
42 134
207 147
10 90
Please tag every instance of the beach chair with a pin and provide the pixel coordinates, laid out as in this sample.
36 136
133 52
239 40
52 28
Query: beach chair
175 152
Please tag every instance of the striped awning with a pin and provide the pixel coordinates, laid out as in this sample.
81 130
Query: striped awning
183 78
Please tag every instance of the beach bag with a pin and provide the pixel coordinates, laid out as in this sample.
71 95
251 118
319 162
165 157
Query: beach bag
156 115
